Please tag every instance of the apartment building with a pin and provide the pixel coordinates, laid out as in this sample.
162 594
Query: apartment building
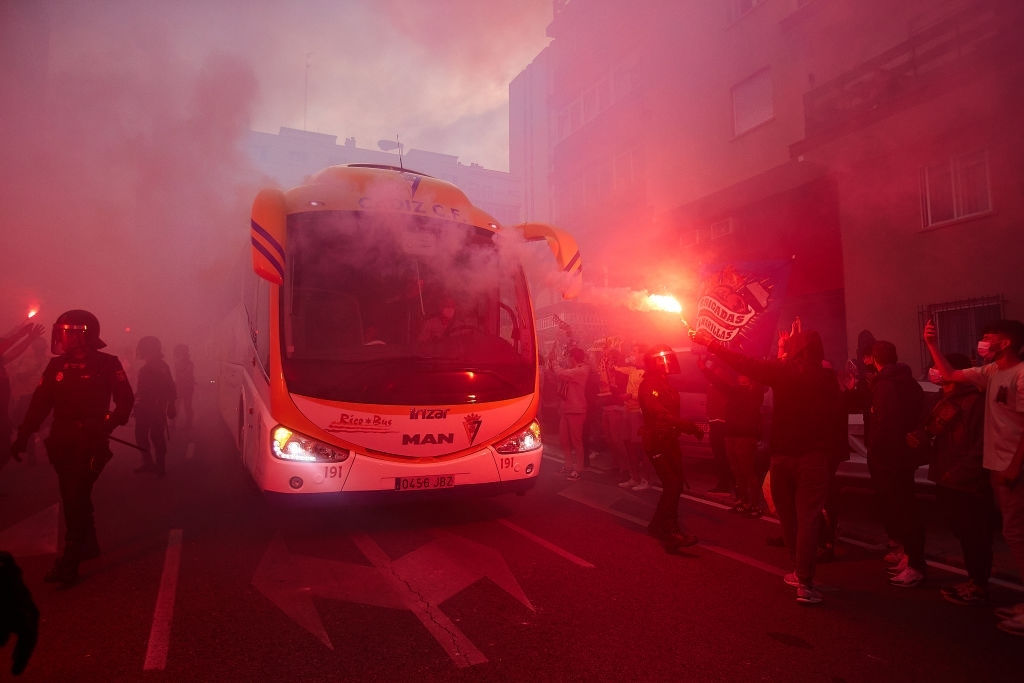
867 144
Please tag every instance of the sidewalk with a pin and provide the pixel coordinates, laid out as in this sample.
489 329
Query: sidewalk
857 526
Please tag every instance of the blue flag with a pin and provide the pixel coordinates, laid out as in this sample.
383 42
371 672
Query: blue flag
739 303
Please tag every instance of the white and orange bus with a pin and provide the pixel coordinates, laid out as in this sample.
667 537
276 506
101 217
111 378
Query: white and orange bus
347 380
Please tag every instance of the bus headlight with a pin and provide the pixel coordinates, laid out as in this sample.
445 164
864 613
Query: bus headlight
289 445
526 440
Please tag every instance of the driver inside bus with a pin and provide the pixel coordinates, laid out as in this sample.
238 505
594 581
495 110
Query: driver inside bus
439 326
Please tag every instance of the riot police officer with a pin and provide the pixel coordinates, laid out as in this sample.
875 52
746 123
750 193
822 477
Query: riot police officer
659 404
78 386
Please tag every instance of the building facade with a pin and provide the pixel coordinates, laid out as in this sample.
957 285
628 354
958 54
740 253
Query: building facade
868 143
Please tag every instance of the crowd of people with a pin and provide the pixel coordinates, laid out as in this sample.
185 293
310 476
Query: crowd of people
970 435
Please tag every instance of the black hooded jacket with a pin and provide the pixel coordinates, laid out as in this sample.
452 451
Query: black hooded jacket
808 414
896 410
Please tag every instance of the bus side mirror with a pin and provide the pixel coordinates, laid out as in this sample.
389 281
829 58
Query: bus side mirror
566 251
269 217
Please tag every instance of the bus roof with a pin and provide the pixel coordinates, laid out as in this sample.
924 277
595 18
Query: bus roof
368 187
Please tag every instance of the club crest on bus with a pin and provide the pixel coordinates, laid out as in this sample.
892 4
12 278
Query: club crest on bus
472 424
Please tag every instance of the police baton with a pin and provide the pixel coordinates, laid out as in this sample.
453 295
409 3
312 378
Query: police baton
128 443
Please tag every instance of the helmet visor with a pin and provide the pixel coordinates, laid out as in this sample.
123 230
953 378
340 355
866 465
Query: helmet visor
68 337
665 361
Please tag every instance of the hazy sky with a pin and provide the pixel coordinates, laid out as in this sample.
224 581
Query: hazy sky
433 72
127 195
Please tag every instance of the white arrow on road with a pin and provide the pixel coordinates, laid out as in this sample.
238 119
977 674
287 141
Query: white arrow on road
418 581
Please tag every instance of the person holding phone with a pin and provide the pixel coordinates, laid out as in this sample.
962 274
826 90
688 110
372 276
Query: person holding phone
1002 378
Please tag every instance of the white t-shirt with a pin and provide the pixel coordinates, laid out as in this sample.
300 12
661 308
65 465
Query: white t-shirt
1004 411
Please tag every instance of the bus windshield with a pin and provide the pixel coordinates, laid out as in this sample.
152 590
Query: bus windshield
390 309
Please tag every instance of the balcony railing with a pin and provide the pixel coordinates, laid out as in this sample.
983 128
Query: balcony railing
906 72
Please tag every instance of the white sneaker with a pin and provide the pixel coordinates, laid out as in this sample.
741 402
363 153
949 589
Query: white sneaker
791 579
642 486
628 484
908 578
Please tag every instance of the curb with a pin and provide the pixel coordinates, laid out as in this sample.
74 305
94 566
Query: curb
1002 578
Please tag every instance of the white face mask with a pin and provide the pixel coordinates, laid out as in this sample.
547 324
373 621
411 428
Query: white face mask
983 347
934 376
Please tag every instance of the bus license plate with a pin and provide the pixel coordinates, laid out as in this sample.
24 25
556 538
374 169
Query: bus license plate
440 481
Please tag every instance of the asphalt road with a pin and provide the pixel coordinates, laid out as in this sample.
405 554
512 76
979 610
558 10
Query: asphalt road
202 580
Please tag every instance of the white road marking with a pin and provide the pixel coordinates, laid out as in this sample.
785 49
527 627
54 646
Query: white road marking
454 642
1012 585
578 494
546 544
160 632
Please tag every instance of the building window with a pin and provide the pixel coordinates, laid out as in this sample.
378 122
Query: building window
603 94
563 124
959 324
627 169
955 189
715 230
575 116
752 102
589 104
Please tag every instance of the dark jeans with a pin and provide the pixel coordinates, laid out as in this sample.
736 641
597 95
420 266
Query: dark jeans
742 452
669 467
799 484
971 516
75 479
894 487
716 437
830 512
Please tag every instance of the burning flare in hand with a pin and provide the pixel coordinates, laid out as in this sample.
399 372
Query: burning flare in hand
664 302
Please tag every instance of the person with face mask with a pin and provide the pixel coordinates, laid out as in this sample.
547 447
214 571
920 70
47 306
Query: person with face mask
78 387
1002 378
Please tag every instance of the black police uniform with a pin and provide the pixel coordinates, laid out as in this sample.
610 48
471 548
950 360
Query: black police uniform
78 388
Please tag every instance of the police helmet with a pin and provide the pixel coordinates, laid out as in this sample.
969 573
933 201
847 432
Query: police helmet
662 359
149 347
75 329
